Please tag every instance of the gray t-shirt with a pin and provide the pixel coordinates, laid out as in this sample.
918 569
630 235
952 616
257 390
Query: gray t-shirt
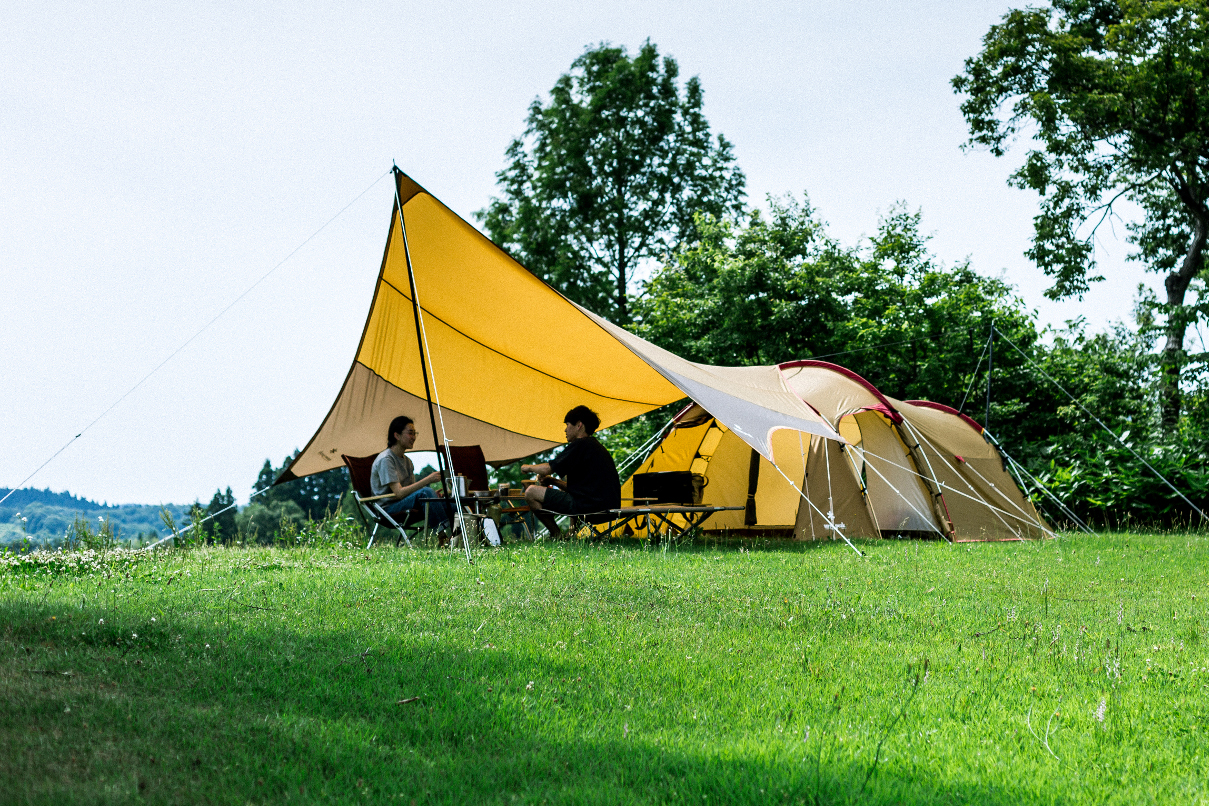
387 468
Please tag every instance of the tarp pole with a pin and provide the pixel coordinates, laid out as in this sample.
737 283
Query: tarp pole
443 459
415 306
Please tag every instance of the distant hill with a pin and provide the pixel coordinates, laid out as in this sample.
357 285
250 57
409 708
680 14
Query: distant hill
28 495
49 515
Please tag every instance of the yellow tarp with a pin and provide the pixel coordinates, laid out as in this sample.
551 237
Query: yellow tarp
507 356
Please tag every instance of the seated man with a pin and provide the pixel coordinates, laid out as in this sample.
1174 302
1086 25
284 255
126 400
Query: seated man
591 476
392 472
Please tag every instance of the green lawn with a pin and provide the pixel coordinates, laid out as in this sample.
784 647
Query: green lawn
1071 671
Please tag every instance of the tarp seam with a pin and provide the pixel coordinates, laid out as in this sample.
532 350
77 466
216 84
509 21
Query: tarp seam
394 288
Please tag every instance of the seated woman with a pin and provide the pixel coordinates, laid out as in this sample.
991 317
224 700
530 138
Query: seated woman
392 472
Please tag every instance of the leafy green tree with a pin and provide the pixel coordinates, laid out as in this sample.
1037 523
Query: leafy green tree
314 495
744 295
779 288
262 521
222 515
1115 96
609 174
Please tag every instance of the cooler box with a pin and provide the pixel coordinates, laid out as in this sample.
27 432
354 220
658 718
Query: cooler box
679 487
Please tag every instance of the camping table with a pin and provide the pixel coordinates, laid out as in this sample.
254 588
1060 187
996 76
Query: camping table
693 516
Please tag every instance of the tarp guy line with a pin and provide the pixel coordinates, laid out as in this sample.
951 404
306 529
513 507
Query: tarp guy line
1102 425
188 341
828 519
973 377
203 520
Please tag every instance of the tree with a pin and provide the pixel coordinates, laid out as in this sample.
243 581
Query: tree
315 495
779 288
1115 94
609 174
222 524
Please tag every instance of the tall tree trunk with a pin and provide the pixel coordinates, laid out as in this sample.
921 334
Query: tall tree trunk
623 313
1177 325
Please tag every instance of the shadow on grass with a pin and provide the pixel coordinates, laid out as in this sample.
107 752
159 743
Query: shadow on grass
90 714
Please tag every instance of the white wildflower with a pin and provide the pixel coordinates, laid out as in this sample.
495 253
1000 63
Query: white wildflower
1100 711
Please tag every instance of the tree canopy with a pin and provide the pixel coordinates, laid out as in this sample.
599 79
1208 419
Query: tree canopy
777 288
609 174
1115 95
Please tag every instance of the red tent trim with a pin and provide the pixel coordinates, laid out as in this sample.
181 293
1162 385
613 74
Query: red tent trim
889 410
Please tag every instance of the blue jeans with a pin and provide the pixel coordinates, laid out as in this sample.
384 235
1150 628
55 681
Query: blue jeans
438 514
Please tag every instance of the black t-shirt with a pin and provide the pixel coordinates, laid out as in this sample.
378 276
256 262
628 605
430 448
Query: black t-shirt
590 473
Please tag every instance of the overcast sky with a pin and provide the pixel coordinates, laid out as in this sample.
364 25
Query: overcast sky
157 159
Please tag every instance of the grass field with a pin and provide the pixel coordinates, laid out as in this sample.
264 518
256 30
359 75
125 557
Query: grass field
1066 672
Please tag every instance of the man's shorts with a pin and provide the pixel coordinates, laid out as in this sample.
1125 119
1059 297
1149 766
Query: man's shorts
560 501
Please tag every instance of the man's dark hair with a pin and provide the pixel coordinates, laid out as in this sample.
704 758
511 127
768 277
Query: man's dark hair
583 414
397 426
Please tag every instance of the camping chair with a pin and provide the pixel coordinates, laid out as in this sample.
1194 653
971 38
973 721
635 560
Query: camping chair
468 461
370 505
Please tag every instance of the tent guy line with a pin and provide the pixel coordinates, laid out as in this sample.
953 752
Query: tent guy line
1100 422
974 374
190 340
1038 485
951 488
999 512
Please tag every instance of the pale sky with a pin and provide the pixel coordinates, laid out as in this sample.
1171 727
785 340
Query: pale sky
156 159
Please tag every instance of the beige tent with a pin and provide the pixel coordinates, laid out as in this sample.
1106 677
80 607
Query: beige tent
914 468
478 351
